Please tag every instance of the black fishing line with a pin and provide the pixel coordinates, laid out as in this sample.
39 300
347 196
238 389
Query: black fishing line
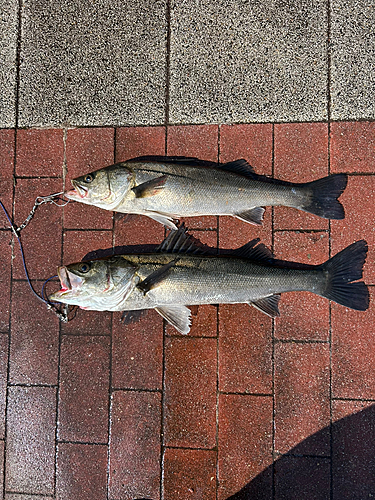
63 315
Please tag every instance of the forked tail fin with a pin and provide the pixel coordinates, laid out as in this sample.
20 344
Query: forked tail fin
343 268
323 196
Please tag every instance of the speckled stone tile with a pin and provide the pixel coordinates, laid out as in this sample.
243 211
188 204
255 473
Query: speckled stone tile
8 57
235 61
92 63
352 59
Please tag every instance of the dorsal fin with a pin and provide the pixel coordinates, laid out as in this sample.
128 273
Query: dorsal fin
240 167
180 160
253 251
180 242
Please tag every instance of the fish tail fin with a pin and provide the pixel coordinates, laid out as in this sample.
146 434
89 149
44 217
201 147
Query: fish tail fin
323 196
343 268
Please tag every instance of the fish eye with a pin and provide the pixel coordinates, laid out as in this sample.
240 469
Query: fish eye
89 178
84 268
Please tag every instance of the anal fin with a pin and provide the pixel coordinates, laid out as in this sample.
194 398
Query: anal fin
268 305
177 316
254 215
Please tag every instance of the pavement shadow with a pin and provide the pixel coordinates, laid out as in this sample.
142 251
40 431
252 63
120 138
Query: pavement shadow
296 476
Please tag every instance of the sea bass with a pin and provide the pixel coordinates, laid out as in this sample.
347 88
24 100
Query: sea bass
168 188
180 274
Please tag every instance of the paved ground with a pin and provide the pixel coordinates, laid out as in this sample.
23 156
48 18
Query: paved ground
243 407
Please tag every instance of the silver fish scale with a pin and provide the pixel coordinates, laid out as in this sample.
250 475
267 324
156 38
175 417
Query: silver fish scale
202 280
193 191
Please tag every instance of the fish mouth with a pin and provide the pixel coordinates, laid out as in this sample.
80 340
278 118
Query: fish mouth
78 192
70 283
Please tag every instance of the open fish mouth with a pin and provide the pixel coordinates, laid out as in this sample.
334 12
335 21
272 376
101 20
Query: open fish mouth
69 283
78 192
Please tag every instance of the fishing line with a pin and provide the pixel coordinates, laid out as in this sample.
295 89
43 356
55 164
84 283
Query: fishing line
62 314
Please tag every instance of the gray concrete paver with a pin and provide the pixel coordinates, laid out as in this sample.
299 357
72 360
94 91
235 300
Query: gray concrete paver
352 60
236 61
8 57
92 63
104 62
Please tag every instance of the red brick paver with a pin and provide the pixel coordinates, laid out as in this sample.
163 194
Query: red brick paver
244 407
87 150
6 173
301 155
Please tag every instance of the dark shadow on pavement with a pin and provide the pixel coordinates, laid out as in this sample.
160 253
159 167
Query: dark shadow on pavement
295 476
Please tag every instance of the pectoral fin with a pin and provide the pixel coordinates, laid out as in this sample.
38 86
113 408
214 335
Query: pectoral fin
268 305
155 278
177 316
254 215
150 188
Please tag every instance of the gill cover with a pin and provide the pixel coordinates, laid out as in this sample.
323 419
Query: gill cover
97 284
104 188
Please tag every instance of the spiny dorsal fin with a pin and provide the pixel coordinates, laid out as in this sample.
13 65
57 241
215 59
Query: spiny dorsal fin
253 251
268 305
178 316
180 160
179 242
240 167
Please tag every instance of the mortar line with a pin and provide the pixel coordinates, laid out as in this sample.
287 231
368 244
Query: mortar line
162 397
50 386
167 69
36 495
190 448
301 455
57 412
130 389
64 171
303 341
301 231
217 339
329 242
217 478
83 443
273 332
189 124
108 471
162 414
16 120
252 394
80 335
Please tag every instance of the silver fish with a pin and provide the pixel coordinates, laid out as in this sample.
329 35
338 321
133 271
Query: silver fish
168 188
179 274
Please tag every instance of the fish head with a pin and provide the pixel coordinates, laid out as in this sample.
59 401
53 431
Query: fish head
103 188
80 281
97 284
